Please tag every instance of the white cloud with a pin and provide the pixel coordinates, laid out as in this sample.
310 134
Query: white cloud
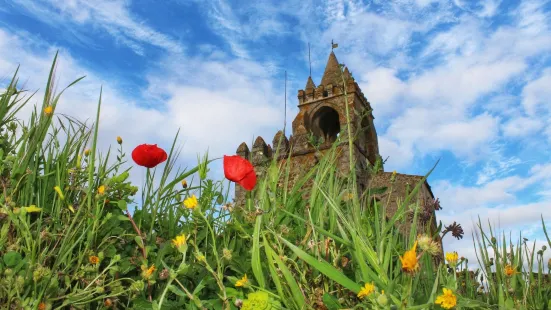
521 126
500 191
113 17
536 95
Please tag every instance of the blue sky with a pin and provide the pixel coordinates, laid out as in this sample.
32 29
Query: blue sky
468 82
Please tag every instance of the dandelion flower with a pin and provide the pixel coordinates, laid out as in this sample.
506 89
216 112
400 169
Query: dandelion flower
451 258
180 243
191 202
49 110
147 272
94 260
447 300
119 140
409 260
368 289
509 270
242 282
101 190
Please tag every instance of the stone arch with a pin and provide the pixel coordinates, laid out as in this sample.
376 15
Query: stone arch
325 124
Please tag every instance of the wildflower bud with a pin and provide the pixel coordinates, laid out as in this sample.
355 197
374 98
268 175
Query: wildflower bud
49 110
108 303
494 240
238 303
227 254
184 184
59 192
87 152
382 300
543 248
163 275
119 140
424 242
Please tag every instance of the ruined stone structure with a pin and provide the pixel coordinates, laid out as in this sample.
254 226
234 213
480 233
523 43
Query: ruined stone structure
322 113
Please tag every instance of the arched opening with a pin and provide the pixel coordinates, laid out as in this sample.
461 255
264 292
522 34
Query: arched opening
325 124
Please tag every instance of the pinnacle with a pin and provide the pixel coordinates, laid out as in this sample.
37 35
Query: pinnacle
332 73
347 74
310 84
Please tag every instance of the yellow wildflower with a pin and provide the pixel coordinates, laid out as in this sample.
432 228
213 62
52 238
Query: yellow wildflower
191 202
86 152
119 140
447 300
49 110
184 184
59 192
32 209
147 272
409 260
101 190
368 289
451 258
242 282
509 270
94 260
180 243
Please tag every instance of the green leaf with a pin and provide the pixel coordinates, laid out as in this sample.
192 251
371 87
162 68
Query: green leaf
177 291
139 241
255 262
123 218
324 267
122 205
11 259
330 302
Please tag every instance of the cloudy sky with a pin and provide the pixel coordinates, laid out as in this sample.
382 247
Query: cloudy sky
467 82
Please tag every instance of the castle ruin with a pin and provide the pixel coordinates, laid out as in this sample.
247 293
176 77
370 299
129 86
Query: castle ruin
322 113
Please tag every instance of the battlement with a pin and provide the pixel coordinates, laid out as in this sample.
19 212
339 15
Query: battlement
312 94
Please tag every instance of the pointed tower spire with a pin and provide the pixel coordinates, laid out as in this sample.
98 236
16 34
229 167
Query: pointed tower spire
332 74
310 84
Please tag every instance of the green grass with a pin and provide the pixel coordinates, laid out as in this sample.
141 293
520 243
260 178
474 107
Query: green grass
295 257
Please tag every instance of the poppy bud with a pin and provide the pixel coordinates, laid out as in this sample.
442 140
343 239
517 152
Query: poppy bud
119 140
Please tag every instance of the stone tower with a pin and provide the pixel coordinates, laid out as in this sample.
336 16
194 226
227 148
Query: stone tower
322 115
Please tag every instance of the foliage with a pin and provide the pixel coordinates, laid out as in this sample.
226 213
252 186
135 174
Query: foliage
69 240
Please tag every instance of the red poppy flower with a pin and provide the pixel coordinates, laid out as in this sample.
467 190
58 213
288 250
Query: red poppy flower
148 155
240 171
